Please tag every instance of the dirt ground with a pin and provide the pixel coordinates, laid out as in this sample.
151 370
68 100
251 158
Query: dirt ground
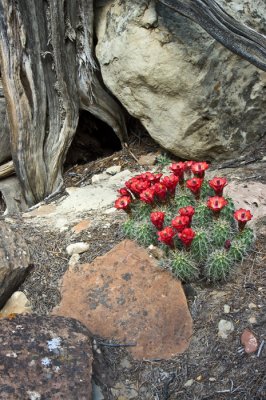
212 368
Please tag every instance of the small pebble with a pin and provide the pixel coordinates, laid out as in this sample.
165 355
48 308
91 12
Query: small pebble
226 309
189 383
225 328
77 248
252 320
212 379
113 170
252 306
249 341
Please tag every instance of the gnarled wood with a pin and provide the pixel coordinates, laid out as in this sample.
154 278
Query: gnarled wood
7 169
238 38
46 55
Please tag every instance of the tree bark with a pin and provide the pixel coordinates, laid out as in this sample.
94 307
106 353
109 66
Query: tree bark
49 73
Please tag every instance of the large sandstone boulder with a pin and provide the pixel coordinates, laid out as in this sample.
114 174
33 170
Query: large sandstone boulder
5 152
194 96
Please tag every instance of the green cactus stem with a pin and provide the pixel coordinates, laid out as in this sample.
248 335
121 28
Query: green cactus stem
200 246
220 232
218 266
183 266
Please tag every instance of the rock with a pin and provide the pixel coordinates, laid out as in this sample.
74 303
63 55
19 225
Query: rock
249 341
189 383
5 150
44 358
148 159
194 97
77 248
17 304
225 328
252 320
96 392
81 226
99 177
119 179
74 259
113 170
226 309
12 195
125 296
252 306
249 195
14 261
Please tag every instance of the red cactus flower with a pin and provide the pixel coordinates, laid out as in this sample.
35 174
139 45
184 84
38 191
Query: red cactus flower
124 192
157 218
178 169
199 168
186 236
130 181
218 184
188 211
170 182
138 186
180 222
188 165
160 191
194 185
242 216
147 196
166 236
123 203
216 204
157 177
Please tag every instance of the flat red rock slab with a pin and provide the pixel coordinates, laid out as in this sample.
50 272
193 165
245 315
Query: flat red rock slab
44 358
125 296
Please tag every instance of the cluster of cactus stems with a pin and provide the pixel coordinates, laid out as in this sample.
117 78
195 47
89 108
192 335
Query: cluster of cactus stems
221 240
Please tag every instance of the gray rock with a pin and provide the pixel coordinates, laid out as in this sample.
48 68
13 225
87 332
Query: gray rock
77 248
45 358
97 393
113 170
225 328
14 262
195 97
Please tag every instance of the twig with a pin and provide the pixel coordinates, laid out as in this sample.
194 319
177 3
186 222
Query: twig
130 152
260 348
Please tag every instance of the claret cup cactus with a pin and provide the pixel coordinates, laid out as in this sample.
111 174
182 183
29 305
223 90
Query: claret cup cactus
201 233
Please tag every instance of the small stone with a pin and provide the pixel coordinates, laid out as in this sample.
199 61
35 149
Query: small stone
125 363
226 309
252 306
249 341
74 259
211 379
252 320
99 177
81 226
148 159
17 304
189 383
225 328
113 170
77 248
199 378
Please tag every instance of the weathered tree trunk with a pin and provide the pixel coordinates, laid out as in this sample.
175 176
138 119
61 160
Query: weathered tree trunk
49 73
